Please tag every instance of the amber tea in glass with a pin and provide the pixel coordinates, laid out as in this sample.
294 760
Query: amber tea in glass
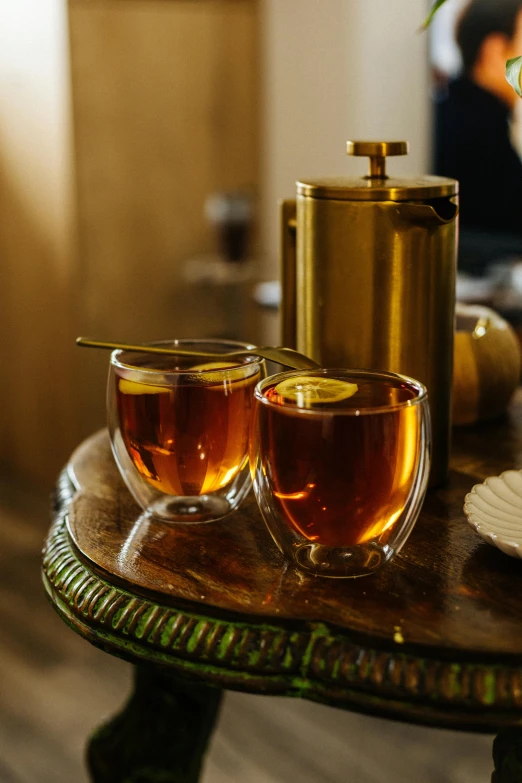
340 462
180 430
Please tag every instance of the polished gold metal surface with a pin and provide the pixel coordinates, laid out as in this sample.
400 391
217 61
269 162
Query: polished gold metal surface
378 186
382 149
287 235
390 189
370 283
377 151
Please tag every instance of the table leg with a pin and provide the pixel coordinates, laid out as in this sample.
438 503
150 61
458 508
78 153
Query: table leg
160 736
507 755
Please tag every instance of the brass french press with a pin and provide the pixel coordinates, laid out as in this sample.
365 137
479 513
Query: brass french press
368 277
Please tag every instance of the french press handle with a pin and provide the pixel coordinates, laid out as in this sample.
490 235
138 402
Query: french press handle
377 151
288 252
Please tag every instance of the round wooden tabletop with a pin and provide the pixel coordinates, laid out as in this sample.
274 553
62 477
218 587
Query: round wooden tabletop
434 637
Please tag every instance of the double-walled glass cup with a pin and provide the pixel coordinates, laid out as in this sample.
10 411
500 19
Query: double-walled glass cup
179 428
340 462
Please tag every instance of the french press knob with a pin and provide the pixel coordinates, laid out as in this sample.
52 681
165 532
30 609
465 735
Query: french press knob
377 151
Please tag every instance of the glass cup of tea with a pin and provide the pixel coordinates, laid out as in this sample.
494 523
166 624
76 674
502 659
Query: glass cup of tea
179 428
340 462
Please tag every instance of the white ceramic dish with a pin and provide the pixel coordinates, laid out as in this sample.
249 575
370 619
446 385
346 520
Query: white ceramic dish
494 510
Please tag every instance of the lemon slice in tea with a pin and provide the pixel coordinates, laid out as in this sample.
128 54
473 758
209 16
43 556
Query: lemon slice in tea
127 386
214 366
232 372
308 390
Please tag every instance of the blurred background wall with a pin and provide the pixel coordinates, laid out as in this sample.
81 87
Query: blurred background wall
38 259
117 120
338 70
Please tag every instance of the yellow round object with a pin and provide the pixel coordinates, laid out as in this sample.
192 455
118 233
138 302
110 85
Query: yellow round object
127 386
486 364
213 366
308 390
232 373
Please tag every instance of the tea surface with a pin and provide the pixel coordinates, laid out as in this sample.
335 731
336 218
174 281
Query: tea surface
341 473
190 437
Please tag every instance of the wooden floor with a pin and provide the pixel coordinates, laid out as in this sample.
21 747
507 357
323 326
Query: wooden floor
55 688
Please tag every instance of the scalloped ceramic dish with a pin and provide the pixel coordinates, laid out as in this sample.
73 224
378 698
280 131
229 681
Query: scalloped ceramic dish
494 510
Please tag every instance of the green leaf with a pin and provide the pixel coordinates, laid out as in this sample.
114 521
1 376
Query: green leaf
435 7
513 71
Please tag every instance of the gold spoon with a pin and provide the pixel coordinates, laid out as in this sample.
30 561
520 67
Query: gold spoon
285 356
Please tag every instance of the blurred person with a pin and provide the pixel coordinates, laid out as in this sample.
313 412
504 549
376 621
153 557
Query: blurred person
472 127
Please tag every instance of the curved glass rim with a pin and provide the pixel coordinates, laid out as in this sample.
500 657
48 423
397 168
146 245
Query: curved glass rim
232 344
421 389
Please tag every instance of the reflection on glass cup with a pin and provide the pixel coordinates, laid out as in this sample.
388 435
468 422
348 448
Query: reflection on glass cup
340 462
179 428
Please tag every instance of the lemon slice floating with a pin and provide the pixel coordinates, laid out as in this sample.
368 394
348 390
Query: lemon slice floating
134 387
308 390
232 374
214 366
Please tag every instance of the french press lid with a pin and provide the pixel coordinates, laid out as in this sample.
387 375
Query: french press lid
377 185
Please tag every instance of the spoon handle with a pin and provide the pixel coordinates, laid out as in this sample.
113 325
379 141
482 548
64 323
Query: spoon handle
87 343
284 356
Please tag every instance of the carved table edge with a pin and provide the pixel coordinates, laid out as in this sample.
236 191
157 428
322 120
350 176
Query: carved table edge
319 663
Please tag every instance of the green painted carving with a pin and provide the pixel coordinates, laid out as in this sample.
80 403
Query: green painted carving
507 755
311 660
161 735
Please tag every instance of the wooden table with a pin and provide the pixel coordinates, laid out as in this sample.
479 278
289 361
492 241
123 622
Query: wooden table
434 638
